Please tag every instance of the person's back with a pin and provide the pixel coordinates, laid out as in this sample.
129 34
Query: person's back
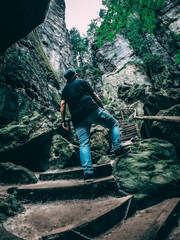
77 95
86 108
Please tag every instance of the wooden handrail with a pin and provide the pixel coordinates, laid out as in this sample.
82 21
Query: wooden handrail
158 118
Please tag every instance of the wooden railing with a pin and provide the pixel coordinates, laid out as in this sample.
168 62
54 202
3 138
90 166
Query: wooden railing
158 118
147 119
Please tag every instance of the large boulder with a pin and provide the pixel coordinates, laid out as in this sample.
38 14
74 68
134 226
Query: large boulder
59 153
134 93
126 77
151 171
18 18
9 206
99 142
27 80
161 100
24 142
12 174
169 131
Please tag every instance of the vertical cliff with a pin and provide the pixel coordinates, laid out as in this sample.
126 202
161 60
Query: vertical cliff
30 89
26 80
164 44
55 37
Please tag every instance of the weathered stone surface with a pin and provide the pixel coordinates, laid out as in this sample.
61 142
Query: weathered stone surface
9 206
55 37
163 43
169 131
167 29
104 159
130 75
115 55
24 142
161 100
167 74
99 142
151 169
18 18
60 153
27 79
11 174
134 93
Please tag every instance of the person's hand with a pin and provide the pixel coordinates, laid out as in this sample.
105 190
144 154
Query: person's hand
108 112
65 126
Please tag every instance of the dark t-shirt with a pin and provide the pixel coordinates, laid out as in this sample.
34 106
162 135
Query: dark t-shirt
77 95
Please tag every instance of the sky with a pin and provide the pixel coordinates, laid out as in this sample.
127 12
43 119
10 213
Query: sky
79 13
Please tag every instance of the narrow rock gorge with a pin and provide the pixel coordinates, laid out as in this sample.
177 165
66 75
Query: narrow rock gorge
35 51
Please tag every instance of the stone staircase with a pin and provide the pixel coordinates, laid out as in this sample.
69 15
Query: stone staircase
64 193
62 206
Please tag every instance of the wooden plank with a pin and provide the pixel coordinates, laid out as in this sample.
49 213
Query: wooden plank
156 229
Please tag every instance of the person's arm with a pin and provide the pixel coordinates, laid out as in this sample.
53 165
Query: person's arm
63 110
97 99
63 114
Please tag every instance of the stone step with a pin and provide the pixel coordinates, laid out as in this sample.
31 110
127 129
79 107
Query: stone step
65 189
95 225
100 171
153 223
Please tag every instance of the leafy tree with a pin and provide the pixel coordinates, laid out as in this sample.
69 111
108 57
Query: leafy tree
119 11
79 46
135 19
177 58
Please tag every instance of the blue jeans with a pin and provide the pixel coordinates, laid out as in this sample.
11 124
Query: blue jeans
99 117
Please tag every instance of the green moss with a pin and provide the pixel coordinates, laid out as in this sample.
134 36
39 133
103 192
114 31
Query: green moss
151 165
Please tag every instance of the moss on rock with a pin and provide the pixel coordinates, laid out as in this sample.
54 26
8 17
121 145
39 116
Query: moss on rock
151 169
12 174
59 153
162 100
99 142
169 131
9 206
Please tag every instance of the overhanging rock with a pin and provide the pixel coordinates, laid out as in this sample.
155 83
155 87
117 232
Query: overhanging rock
18 18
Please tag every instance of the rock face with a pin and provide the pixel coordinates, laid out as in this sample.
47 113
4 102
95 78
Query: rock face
55 37
116 57
59 153
30 89
27 81
17 19
9 207
99 142
130 75
151 170
169 131
162 100
12 174
24 142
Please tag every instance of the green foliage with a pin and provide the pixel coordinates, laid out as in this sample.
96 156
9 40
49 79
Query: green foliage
153 63
92 28
119 12
177 58
90 72
79 45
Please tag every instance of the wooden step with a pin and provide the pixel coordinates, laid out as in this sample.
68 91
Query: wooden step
5 235
95 225
42 219
65 189
153 223
100 171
